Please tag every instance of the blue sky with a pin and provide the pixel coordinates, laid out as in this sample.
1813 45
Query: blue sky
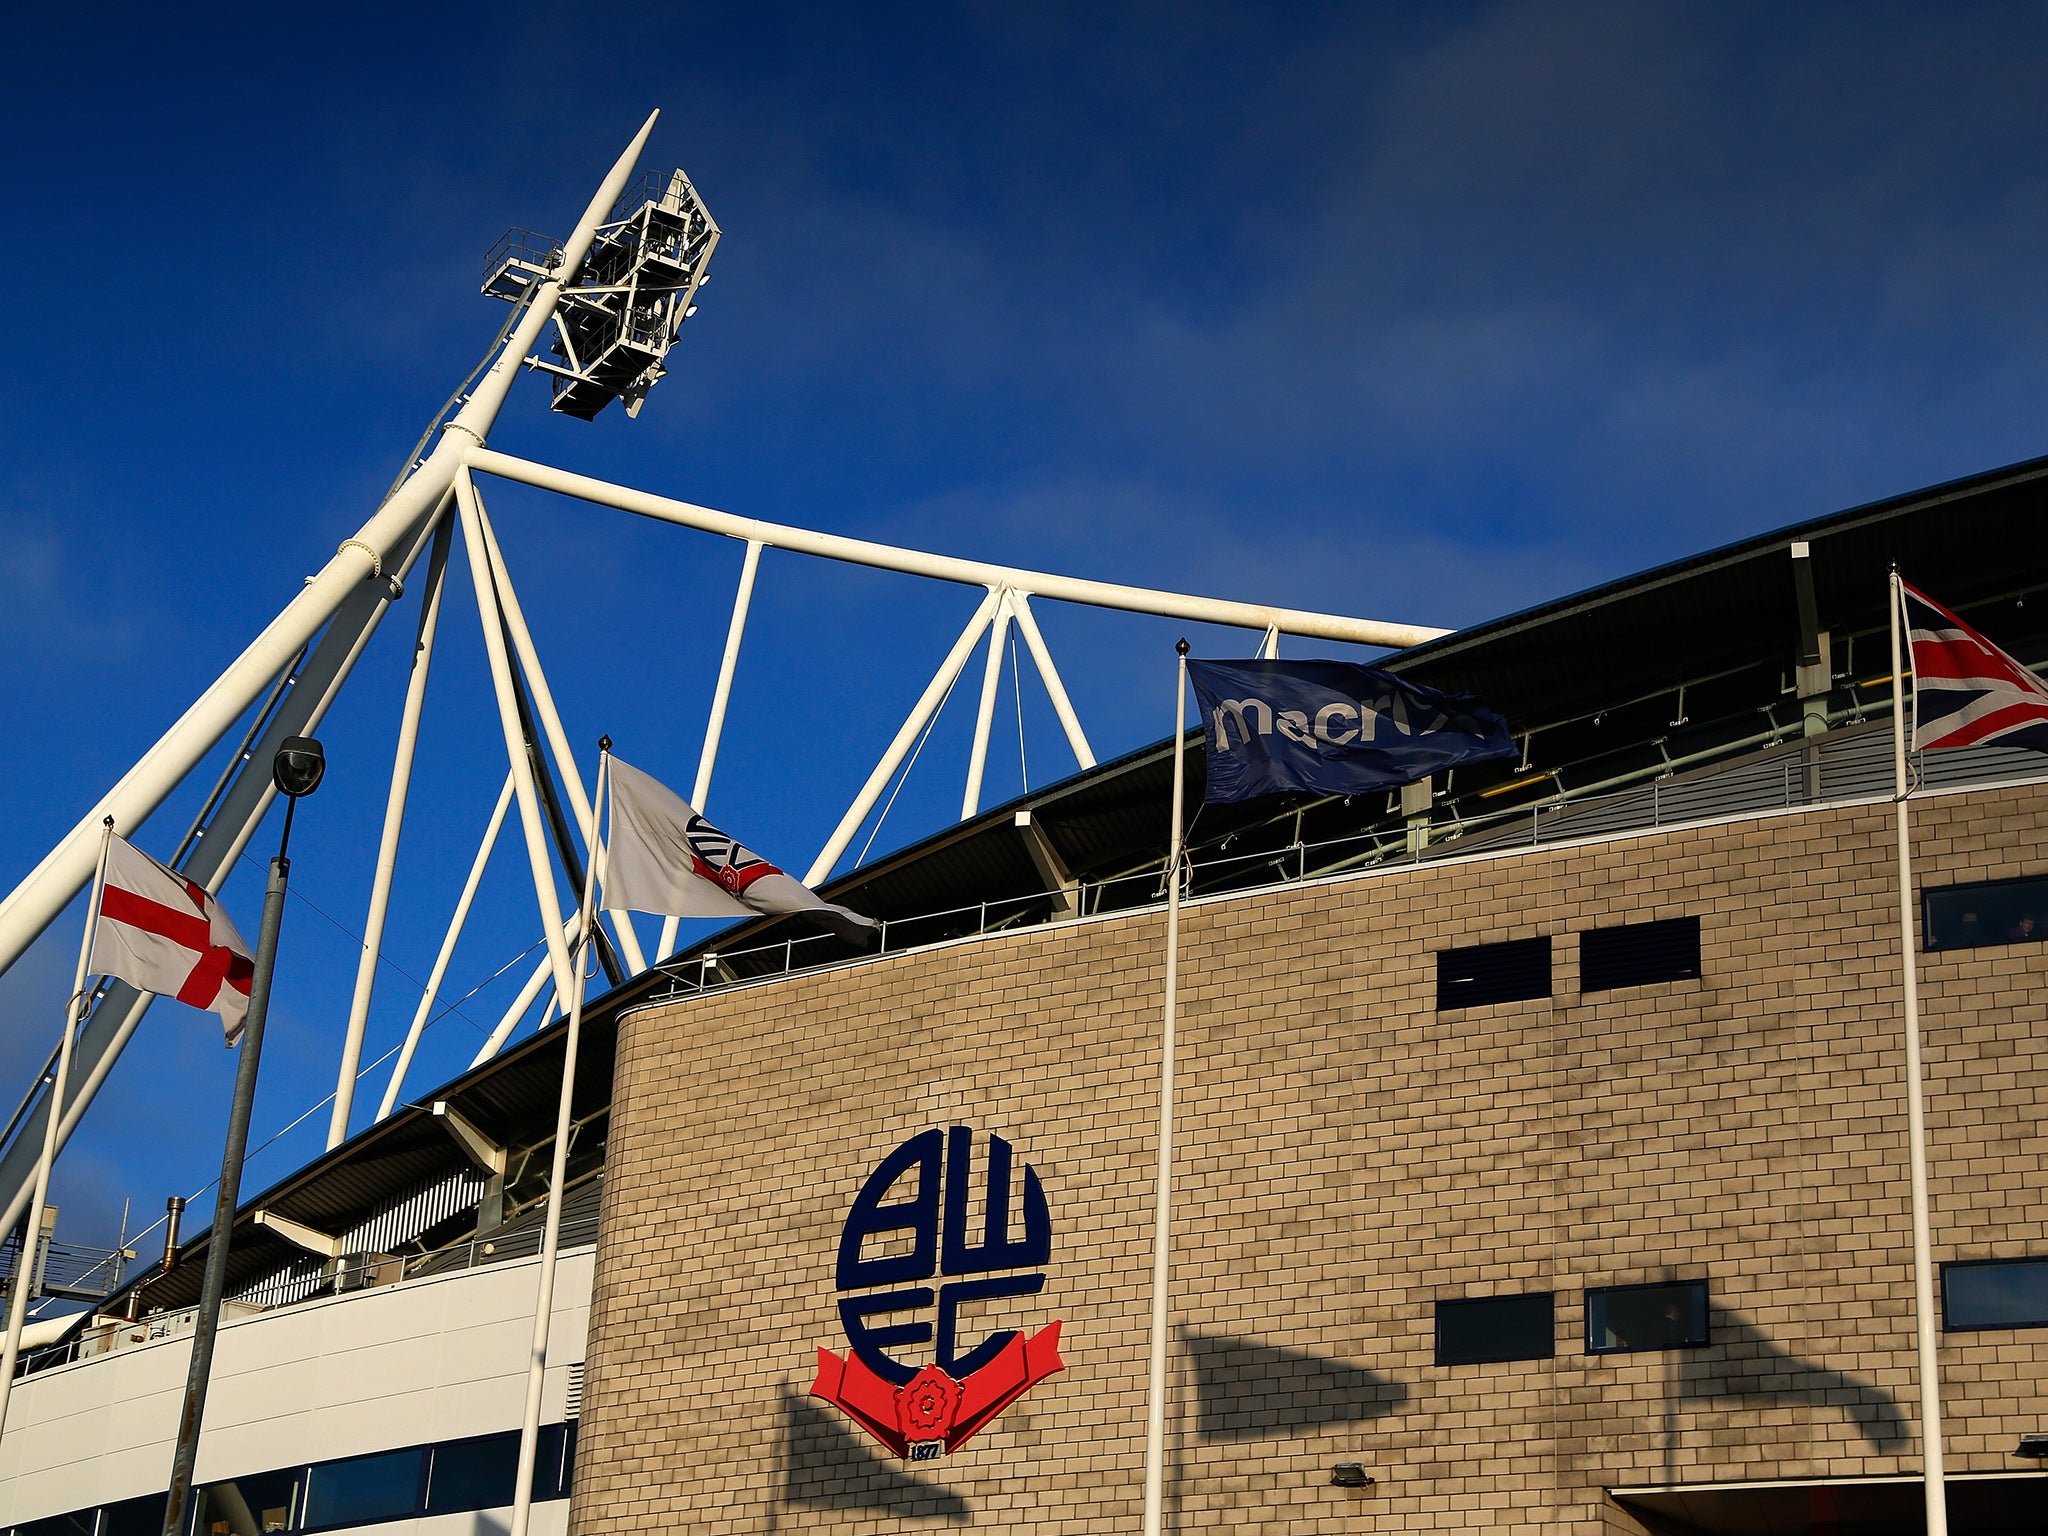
1424 312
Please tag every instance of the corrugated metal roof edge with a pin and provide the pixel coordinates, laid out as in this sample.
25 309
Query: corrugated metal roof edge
1493 630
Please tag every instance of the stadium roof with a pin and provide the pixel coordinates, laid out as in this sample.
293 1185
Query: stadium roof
1591 682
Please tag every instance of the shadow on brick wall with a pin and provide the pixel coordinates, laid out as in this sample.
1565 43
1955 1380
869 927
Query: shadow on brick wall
1743 1365
828 1464
1245 1389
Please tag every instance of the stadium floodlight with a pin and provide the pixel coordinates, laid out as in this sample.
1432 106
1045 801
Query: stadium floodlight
2032 1446
1349 1474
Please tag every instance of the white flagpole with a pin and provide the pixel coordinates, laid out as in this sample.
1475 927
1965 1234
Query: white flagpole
551 1239
1162 1199
1933 1478
24 1267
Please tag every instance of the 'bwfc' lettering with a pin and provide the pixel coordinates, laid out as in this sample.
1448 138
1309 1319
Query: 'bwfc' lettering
888 1244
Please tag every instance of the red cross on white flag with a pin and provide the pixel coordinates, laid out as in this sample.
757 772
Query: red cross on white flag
162 933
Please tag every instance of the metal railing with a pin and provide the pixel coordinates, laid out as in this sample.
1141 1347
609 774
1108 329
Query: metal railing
518 251
68 1270
1833 768
497 1247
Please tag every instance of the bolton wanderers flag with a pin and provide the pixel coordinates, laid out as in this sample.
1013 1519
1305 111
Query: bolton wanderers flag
162 933
663 857
1332 728
1966 691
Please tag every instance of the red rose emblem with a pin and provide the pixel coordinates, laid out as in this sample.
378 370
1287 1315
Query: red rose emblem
926 1405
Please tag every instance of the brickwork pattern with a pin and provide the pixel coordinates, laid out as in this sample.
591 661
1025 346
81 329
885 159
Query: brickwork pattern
1347 1156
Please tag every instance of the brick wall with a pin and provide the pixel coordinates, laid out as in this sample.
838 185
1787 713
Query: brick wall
1348 1156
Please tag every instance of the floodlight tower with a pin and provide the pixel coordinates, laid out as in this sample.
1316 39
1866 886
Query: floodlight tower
654 259
640 282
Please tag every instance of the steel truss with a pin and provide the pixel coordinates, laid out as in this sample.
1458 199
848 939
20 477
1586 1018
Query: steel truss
316 638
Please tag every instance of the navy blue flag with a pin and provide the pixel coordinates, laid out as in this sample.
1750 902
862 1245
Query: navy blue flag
1332 728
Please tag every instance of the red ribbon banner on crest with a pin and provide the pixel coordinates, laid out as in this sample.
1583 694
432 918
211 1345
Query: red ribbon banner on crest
932 1405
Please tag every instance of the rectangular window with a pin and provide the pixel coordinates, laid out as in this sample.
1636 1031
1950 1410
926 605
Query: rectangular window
265 1502
480 1473
79 1523
1639 954
1484 1330
135 1517
473 1474
556 1463
1989 912
1995 1293
1622 1318
1480 974
364 1488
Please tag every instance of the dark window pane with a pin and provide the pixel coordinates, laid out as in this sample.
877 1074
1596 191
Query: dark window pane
564 1461
77 1523
2009 1293
381 1487
480 1473
473 1474
1992 912
1493 973
1639 954
136 1517
247 1506
1487 1329
1629 1317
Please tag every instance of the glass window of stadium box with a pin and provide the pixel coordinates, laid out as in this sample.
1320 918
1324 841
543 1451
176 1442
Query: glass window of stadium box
266 1501
1621 1319
450 1477
79 1524
1487 1330
134 1517
1995 1293
1481 974
1985 913
363 1489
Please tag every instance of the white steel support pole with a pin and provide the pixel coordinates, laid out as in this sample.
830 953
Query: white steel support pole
387 843
728 663
714 728
571 932
1934 1478
32 905
984 718
240 812
1162 1193
935 691
1062 706
515 739
973 573
25 1264
551 721
448 943
558 1171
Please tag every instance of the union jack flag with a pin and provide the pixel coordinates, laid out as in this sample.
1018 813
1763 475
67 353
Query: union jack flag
1966 691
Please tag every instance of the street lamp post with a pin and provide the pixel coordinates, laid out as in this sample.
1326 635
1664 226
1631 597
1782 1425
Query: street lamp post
296 771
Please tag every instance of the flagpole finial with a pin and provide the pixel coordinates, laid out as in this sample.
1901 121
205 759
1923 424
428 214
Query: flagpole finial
1180 647
108 823
604 743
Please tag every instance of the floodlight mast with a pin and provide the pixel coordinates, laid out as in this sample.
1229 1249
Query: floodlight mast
389 541
48 888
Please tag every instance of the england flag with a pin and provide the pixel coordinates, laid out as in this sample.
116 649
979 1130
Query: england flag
1966 691
162 933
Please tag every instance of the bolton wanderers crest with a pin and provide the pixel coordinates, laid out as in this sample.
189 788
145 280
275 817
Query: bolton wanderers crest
890 1250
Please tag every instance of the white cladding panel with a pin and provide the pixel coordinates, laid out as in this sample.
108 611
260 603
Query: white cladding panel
397 1365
